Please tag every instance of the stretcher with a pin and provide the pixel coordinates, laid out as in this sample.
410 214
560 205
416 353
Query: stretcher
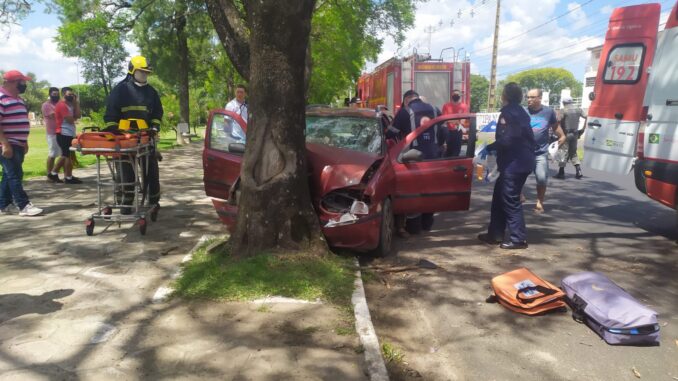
130 150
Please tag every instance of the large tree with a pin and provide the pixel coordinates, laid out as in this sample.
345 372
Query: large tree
267 41
91 31
548 79
479 89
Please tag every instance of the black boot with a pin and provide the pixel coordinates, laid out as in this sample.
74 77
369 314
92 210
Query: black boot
579 175
561 173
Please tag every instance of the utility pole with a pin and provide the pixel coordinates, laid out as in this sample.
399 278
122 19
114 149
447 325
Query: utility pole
493 76
429 30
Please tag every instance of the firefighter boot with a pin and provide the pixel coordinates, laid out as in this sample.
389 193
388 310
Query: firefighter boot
561 173
579 175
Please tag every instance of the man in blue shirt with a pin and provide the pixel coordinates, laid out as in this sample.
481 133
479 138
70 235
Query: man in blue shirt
543 121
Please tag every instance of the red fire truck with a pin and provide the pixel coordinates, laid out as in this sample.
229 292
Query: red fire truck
435 80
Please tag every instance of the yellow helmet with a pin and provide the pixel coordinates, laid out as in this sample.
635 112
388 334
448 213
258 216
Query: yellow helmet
138 63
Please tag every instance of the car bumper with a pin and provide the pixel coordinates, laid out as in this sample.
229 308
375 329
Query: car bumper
658 180
361 235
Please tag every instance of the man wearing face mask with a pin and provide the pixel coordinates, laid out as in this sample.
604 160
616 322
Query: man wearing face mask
133 106
14 130
49 119
456 130
66 113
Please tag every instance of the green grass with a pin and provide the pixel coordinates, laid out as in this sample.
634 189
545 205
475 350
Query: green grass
297 275
35 161
392 353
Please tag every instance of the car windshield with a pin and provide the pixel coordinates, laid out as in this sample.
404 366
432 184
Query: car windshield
354 133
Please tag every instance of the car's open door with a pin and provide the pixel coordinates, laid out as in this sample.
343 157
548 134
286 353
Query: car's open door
426 186
222 156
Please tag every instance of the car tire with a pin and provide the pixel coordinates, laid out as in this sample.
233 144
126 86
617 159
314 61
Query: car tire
385 229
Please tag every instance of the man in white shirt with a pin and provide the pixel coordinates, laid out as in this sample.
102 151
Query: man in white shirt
238 104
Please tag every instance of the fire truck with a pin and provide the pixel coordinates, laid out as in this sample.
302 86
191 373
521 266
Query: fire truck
433 79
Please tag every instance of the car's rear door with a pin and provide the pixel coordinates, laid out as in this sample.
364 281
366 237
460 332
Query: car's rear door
433 185
222 154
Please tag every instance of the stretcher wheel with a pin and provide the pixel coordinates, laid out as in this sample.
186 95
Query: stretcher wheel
89 226
154 214
142 225
107 211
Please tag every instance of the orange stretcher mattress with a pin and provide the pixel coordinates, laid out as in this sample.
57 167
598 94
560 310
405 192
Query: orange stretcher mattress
108 140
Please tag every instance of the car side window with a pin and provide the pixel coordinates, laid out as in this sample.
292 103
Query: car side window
224 131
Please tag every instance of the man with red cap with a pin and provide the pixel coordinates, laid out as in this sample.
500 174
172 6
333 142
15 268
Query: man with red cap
14 129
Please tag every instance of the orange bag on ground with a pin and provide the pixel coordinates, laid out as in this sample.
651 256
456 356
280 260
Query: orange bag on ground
524 292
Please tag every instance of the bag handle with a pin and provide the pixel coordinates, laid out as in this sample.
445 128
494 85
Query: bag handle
545 291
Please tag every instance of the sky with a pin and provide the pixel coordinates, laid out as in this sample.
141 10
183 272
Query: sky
533 34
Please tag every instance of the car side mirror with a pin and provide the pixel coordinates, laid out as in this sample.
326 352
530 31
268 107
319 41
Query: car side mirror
237 148
411 156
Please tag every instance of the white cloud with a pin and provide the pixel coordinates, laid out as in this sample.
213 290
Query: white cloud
606 10
35 51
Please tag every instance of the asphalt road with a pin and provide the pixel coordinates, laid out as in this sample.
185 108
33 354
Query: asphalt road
441 323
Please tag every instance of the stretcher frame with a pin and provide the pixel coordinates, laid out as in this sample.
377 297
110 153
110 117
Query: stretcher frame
138 159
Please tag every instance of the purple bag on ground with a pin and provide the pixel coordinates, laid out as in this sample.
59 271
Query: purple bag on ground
610 311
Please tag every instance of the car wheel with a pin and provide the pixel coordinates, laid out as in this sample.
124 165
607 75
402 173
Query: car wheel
385 230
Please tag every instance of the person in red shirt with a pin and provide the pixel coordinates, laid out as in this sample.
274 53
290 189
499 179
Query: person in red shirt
455 127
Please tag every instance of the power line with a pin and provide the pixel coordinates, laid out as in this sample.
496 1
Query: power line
542 24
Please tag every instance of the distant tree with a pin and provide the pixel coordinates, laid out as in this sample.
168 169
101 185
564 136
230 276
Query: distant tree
552 80
92 98
479 88
11 11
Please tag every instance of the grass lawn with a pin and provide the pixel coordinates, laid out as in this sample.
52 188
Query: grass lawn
297 275
35 161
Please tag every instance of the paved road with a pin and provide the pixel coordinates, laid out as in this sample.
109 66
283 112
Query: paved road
601 223
74 307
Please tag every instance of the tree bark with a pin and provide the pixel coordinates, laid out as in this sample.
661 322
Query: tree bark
183 64
231 28
275 210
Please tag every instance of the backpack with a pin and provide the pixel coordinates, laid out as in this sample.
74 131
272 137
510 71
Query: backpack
524 292
617 317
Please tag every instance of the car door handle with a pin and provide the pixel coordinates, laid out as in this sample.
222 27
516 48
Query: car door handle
460 168
595 125
211 158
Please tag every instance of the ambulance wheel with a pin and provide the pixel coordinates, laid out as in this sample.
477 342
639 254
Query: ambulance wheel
385 230
89 226
142 225
107 211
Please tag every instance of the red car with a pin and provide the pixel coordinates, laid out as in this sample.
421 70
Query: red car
358 178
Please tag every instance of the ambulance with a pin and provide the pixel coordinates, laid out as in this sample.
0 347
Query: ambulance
633 120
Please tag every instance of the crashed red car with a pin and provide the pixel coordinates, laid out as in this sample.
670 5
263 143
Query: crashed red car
358 178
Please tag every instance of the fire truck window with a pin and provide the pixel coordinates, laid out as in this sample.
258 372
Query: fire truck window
224 131
624 64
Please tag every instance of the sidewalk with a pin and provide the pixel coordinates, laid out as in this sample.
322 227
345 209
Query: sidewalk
79 307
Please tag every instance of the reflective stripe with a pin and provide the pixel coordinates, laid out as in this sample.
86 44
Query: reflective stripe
134 108
111 124
155 121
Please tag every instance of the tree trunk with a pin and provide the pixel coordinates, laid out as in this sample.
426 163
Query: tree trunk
183 63
275 210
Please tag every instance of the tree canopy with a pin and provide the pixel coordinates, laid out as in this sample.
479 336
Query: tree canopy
479 92
552 80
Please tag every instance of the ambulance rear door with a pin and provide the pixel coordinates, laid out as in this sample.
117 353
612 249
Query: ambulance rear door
616 108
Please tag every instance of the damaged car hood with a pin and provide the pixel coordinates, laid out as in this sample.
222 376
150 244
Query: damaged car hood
333 168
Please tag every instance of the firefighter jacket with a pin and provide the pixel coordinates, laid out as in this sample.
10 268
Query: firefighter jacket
128 101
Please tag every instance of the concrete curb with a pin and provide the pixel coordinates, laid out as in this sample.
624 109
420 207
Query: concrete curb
163 292
376 368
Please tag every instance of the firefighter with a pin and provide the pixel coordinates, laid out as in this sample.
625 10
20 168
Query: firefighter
135 106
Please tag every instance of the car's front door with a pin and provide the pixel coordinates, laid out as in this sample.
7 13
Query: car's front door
222 155
435 185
